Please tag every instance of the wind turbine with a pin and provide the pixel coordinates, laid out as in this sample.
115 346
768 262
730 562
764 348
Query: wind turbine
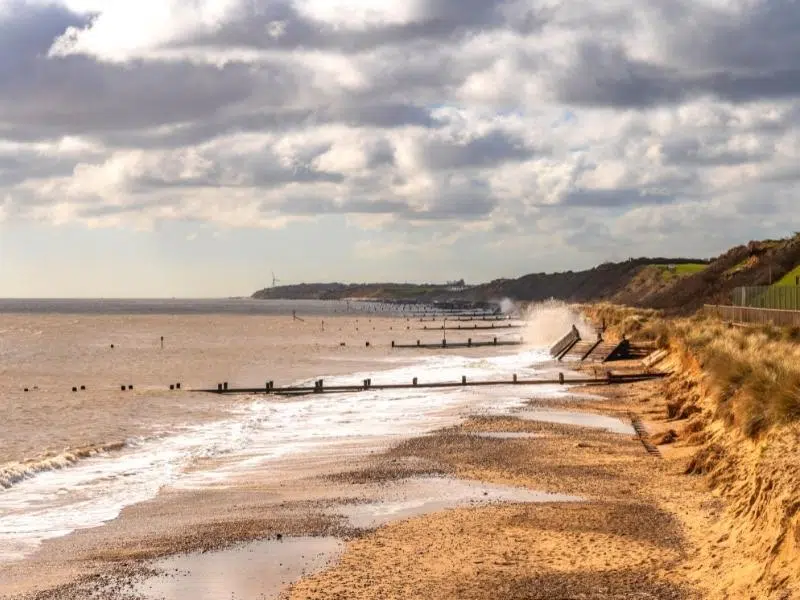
275 280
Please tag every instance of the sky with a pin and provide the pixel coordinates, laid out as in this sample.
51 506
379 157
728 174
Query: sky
192 148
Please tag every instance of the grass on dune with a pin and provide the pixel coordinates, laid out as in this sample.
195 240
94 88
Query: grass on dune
753 373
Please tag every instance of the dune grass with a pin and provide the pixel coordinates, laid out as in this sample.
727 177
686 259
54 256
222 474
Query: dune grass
752 373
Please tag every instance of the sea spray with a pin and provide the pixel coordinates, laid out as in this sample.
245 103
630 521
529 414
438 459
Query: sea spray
508 306
547 322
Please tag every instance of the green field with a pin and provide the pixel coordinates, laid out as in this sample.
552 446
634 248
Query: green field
790 279
680 270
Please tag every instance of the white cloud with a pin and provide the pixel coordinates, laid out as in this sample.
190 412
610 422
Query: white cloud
122 29
441 116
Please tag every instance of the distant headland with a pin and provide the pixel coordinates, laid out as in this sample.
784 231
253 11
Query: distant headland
675 284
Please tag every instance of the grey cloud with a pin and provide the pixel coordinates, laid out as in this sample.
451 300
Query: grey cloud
442 20
614 198
739 58
688 151
492 148
277 120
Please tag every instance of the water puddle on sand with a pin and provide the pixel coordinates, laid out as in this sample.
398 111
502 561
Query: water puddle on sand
253 571
580 419
262 570
423 495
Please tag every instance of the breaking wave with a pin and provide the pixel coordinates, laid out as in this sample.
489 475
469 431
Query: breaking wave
14 472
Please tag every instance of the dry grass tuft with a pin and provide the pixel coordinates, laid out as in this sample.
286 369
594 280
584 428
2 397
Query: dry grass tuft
753 373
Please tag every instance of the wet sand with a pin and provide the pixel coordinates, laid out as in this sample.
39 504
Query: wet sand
625 537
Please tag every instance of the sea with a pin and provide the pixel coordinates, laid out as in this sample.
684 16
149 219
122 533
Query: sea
54 491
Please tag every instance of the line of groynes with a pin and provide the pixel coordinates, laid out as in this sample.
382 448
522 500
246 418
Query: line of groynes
319 386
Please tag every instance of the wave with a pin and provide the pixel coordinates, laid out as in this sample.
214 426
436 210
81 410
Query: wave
14 472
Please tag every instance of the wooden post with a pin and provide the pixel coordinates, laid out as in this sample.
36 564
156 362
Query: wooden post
177 386
495 341
515 378
130 387
225 386
392 343
444 343
561 378
414 382
469 342
417 342
463 380
219 387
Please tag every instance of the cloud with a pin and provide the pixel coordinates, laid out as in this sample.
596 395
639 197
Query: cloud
454 117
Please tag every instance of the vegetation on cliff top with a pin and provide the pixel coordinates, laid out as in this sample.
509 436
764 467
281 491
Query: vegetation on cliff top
676 285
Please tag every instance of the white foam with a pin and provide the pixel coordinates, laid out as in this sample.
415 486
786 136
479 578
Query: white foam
93 491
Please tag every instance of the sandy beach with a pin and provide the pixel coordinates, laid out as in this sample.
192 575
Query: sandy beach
150 472
467 493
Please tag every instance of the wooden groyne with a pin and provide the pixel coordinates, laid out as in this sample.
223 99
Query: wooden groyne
572 348
566 343
319 386
444 344
473 328
488 318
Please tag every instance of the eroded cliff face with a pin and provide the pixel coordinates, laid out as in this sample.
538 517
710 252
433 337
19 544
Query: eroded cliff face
754 544
748 545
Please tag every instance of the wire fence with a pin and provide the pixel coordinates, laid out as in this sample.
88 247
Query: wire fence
776 297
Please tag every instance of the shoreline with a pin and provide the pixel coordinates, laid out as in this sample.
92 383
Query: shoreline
562 458
64 559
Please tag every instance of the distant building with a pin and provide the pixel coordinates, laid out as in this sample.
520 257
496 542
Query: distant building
456 286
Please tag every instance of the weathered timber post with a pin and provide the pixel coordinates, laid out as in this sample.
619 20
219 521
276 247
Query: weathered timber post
515 378
225 386
392 343
561 378
414 382
495 341
219 387
469 342
463 380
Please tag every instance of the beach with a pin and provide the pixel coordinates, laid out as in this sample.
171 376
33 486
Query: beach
526 492
100 472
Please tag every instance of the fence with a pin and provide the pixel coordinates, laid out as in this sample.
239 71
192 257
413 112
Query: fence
755 316
776 297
